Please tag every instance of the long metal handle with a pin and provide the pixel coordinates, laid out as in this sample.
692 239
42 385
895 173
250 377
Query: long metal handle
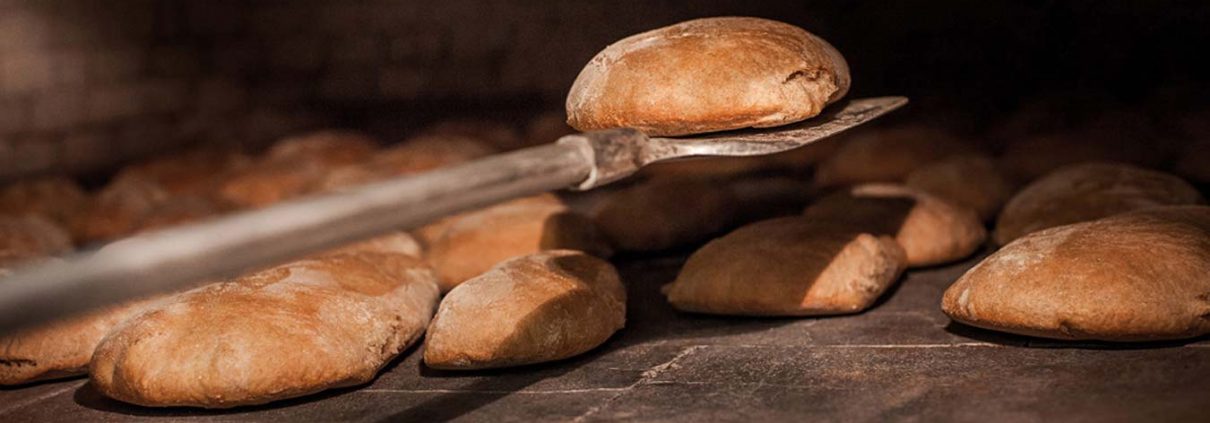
178 258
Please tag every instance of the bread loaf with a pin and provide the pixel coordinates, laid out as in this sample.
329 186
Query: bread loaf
60 349
415 155
1088 191
296 166
789 266
28 237
131 204
886 154
474 242
930 230
971 181
665 212
1138 276
531 309
496 134
55 198
196 172
302 327
708 75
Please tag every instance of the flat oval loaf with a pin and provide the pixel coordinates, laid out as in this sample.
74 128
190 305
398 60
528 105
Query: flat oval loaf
930 230
788 266
708 75
474 242
284 332
1090 191
1139 276
531 309
656 214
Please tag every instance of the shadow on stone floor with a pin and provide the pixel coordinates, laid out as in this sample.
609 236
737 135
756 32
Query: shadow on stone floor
1008 339
491 385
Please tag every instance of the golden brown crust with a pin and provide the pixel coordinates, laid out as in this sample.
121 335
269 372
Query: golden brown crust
131 204
541 307
973 181
788 266
475 242
931 230
414 155
708 75
664 212
28 237
192 173
61 349
1138 276
886 154
287 331
57 198
1089 191
296 166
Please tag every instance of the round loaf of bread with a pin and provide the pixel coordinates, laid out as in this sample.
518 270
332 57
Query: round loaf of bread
708 75
788 266
1138 276
931 230
653 215
1083 192
531 309
973 181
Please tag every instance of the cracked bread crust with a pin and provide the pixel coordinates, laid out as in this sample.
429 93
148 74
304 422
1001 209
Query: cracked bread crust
541 307
789 266
708 75
1139 276
299 328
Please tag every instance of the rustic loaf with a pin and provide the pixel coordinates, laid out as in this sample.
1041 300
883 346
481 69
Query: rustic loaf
886 154
1088 191
497 134
1138 276
298 328
296 166
708 75
57 198
664 212
788 266
531 309
414 155
131 204
931 230
195 172
474 242
1109 138
60 349
28 237
972 181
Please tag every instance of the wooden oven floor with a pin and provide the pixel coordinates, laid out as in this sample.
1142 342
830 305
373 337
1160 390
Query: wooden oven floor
903 360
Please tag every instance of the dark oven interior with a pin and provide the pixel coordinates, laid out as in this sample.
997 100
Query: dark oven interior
90 90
